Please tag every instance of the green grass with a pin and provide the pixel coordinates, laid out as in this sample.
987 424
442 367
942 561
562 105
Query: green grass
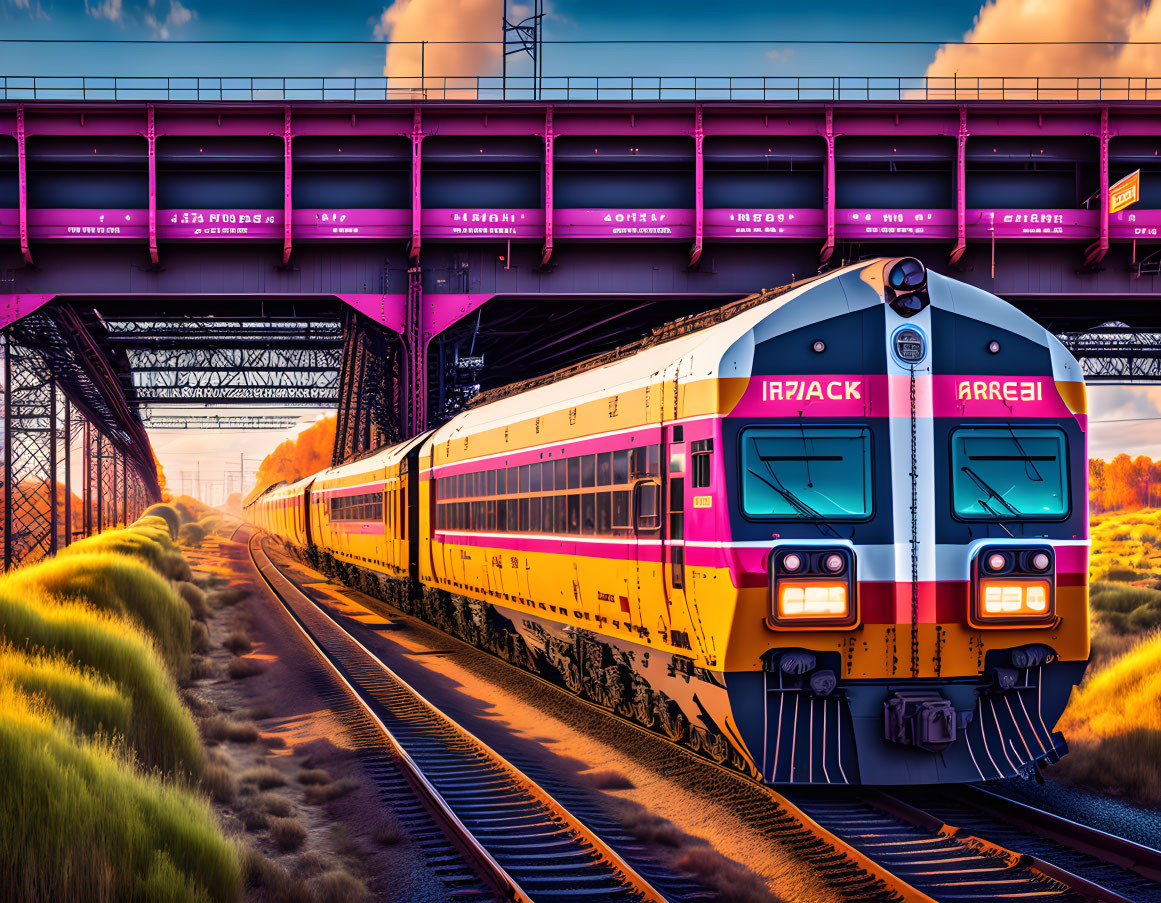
98 755
121 585
79 822
161 730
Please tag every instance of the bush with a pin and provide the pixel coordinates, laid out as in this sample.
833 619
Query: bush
192 535
288 833
114 583
168 514
161 730
238 642
263 777
1123 575
195 598
218 727
240 668
81 824
150 546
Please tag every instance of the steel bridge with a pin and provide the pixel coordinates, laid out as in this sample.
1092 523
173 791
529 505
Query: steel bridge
394 256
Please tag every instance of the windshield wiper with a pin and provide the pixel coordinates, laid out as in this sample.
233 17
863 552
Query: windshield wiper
987 487
992 511
1027 458
795 502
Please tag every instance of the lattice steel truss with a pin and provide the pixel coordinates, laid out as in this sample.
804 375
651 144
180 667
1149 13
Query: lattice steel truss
1116 353
370 389
247 422
209 361
46 418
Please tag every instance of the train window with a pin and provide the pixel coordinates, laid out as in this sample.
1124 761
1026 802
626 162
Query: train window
648 499
491 482
459 478
561 480
513 515
574 473
523 515
513 480
534 478
546 519
620 509
492 517
588 514
604 513
1009 473
573 513
604 468
560 514
588 471
501 516
701 453
547 470
534 516
806 472
621 467
501 482
524 478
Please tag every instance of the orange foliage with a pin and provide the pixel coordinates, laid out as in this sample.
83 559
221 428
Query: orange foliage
165 496
307 453
1124 482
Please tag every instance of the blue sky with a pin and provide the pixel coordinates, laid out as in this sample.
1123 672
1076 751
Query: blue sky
569 20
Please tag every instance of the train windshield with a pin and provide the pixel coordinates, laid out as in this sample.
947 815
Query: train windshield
1009 473
806 472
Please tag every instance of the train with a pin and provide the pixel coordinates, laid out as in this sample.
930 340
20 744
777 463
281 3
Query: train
832 533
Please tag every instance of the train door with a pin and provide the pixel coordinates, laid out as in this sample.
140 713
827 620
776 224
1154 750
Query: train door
305 509
673 478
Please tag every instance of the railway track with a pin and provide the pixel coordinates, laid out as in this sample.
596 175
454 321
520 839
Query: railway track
520 840
966 844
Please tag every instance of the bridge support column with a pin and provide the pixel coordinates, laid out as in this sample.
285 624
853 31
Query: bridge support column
151 139
698 186
67 424
546 253
1098 249
22 184
416 183
960 188
370 403
828 136
287 179
416 344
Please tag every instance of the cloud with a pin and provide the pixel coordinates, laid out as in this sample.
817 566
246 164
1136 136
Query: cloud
106 9
1124 419
179 15
440 20
779 54
1055 20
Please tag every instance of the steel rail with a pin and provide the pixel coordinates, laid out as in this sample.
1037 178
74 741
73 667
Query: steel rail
482 781
860 877
1076 884
1052 881
1085 839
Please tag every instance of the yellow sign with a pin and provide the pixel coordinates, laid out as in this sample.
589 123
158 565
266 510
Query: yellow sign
703 501
1125 193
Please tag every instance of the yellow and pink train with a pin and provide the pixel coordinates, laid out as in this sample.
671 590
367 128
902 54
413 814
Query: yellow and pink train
831 534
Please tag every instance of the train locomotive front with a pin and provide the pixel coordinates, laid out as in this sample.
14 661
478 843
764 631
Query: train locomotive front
831 534
906 479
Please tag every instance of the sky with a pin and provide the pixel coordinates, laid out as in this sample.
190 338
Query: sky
961 37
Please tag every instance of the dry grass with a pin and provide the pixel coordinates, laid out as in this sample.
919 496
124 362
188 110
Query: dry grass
201 667
1113 721
275 804
244 667
314 776
219 727
733 882
607 779
238 643
388 832
264 777
338 886
324 793
231 595
195 598
651 828
219 782
199 638
288 833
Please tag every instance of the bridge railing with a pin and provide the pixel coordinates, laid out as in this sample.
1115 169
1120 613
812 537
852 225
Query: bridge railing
772 88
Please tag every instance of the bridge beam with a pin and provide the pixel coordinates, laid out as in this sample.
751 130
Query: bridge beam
151 139
828 136
22 184
549 139
960 188
287 178
698 186
1098 249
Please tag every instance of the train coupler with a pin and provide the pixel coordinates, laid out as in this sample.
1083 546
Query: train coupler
923 719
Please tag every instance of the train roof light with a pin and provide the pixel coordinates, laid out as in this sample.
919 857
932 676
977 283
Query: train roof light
906 286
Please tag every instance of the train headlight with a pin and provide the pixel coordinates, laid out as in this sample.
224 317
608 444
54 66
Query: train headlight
1013 586
799 600
1011 598
812 588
